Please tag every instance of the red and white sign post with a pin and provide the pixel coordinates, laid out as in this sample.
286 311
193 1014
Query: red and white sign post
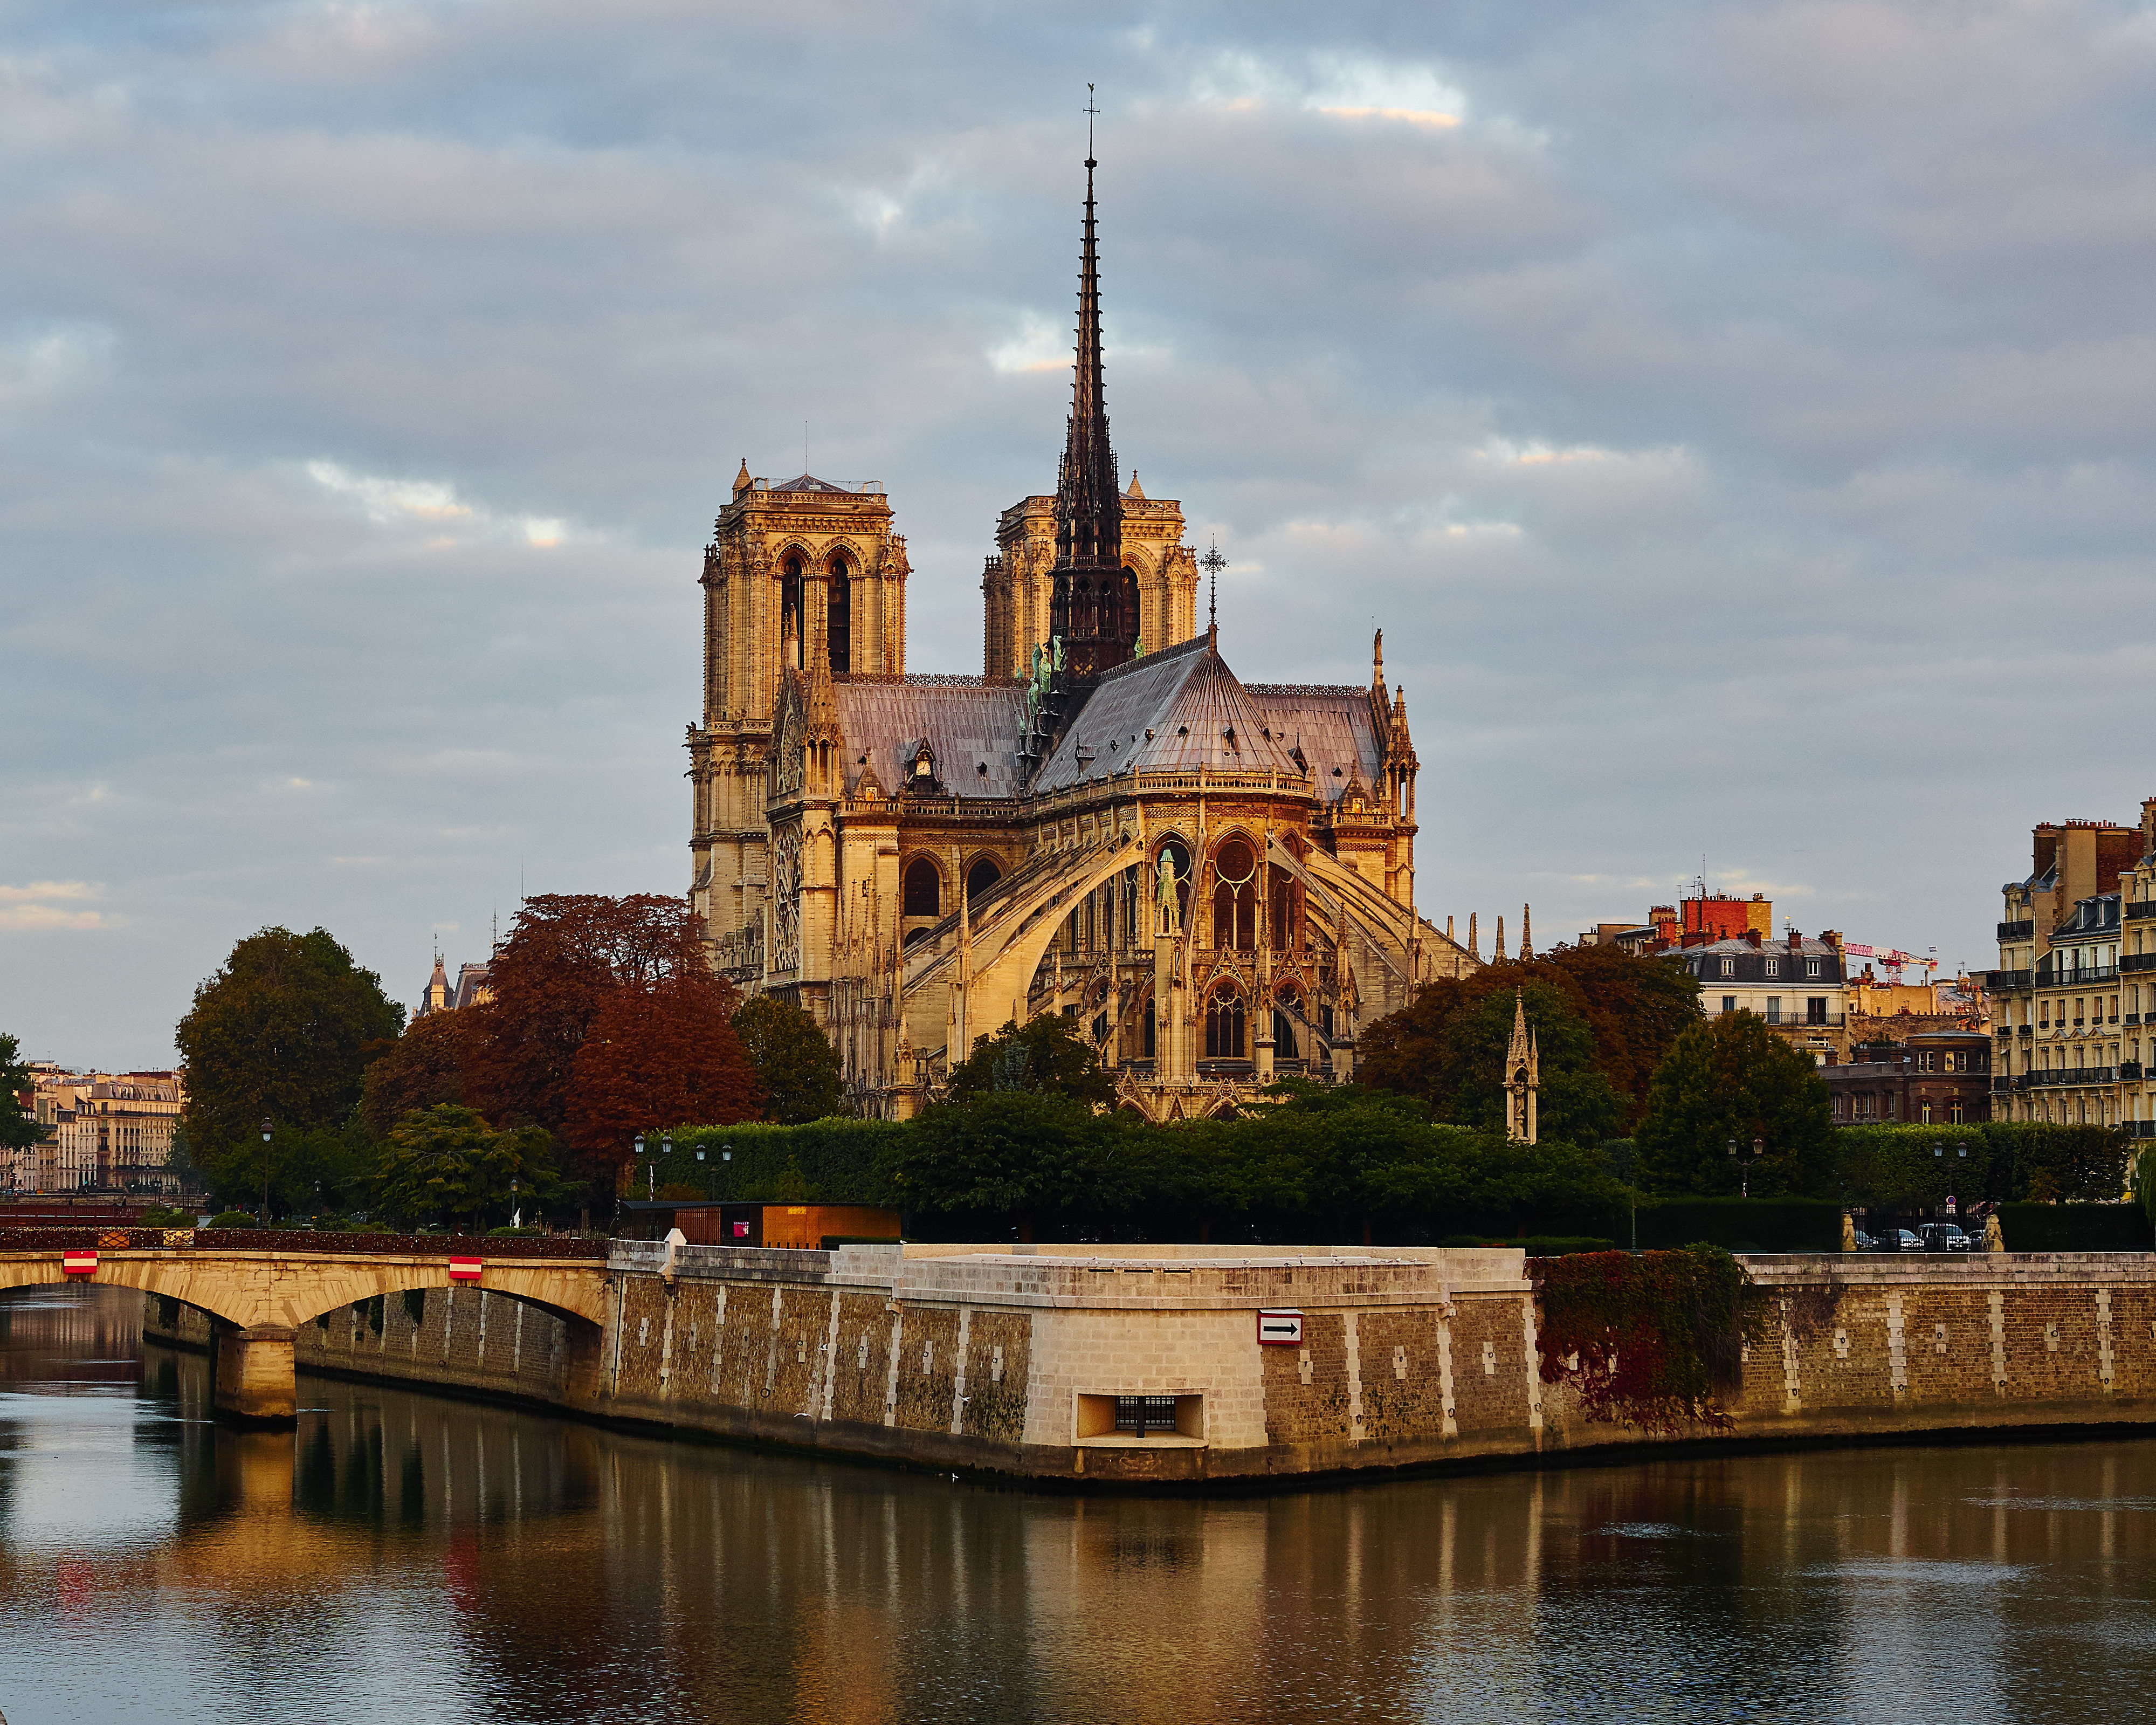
465 1269
79 1263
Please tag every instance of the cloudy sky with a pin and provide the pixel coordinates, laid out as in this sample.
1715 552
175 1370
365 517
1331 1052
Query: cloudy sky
1741 419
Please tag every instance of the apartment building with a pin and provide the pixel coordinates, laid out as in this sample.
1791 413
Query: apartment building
1794 984
105 1131
2073 991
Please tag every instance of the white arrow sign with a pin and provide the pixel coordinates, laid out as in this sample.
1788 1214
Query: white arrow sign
1280 1329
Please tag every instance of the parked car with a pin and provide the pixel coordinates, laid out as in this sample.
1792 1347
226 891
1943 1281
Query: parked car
1898 1239
1865 1242
1944 1237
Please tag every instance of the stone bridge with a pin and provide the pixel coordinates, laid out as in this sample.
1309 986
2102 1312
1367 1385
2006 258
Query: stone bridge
255 1300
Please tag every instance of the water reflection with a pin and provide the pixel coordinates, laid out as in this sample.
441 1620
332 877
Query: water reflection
408 1556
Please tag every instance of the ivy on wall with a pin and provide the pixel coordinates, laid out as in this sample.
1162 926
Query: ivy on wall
1652 1340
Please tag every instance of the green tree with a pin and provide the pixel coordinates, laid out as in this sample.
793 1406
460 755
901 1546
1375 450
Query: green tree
794 1060
19 1131
1732 1078
1046 1054
311 1169
283 1031
1592 1008
445 1164
1635 1007
1031 1156
1448 1048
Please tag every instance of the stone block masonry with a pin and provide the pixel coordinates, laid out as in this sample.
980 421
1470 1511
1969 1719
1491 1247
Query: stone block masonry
997 1361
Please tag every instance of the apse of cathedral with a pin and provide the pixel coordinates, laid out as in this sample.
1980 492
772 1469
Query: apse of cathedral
1213 878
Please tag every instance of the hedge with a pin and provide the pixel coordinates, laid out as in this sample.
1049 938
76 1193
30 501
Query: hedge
2074 1228
837 1161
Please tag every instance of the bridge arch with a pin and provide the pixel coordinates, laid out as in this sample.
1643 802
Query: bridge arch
257 1299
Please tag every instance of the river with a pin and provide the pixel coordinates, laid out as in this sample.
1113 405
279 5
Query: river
413 1558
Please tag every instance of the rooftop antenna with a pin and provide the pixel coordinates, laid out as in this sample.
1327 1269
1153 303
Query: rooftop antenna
1213 563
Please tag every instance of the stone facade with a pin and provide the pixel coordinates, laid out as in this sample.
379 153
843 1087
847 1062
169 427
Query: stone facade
2075 948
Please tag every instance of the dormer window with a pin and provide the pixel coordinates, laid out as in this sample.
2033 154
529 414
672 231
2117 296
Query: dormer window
1811 966
1729 967
1774 967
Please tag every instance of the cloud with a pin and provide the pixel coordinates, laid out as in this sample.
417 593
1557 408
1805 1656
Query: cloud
48 905
1696 396
432 503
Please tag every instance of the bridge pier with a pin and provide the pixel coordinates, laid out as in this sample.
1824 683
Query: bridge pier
253 1369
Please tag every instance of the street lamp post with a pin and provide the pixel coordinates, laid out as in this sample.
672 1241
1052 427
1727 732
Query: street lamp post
264 1220
1744 1167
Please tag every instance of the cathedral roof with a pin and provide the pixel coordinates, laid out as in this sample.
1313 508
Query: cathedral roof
967 725
809 482
1332 726
1173 711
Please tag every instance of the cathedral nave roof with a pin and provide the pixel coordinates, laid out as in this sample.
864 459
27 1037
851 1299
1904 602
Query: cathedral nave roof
966 725
1171 712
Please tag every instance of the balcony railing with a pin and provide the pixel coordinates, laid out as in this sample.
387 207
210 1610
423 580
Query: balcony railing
2137 961
2081 978
2129 1071
2072 1077
2017 931
2007 982
2000 1086
2140 910
2138 1128
2025 1030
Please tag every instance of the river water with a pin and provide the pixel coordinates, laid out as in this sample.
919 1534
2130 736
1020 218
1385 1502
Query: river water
413 1558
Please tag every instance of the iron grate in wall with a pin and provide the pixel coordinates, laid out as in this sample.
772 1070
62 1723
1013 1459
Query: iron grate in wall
1142 1414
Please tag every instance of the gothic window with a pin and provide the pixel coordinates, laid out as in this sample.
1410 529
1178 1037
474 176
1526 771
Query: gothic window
1151 1028
789 602
1236 896
1224 1028
980 878
1129 595
924 889
839 626
1285 1047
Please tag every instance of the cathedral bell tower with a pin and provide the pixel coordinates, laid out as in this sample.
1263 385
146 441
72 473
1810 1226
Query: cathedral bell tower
1094 603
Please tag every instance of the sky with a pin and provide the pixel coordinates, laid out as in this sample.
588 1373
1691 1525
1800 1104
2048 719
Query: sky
1740 418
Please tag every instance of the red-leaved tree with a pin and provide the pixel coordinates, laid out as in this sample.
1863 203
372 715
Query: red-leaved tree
631 970
659 1057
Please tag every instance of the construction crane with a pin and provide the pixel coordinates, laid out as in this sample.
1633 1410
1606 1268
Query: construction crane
1891 959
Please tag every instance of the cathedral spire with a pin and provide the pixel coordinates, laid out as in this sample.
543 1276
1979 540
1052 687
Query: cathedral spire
1089 608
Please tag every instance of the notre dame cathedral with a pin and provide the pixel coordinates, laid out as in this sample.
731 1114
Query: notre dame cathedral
1215 878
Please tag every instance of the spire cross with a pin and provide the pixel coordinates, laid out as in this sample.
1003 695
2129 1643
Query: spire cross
1089 111
1213 563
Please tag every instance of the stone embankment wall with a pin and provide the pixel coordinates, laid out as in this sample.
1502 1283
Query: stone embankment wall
995 1360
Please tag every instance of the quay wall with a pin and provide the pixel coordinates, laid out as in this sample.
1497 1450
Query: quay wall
1007 1362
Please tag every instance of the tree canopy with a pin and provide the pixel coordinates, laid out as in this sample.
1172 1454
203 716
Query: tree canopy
423 1067
1448 1047
659 1057
568 954
283 1031
1022 1154
1732 1078
1047 1053
19 1131
444 1164
794 1060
